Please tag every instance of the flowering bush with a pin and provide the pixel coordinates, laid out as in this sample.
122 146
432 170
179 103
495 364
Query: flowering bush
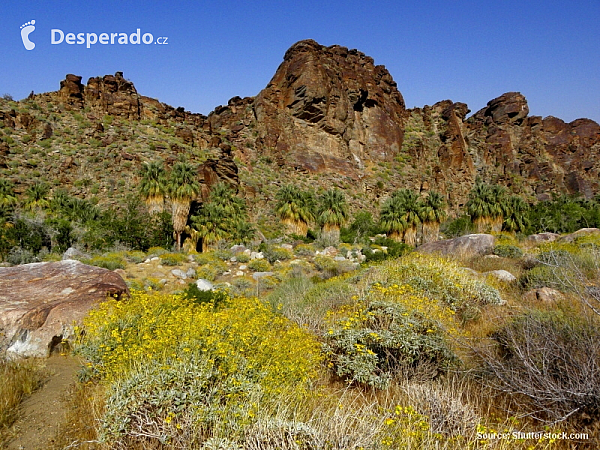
174 365
390 329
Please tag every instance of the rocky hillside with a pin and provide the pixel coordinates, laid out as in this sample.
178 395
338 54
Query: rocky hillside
329 116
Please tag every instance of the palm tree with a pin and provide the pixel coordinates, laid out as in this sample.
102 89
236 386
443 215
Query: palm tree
223 216
499 207
413 211
332 213
517 219
37 196
153 185
479 207
295 208
8 199
392 219
434 214
182 188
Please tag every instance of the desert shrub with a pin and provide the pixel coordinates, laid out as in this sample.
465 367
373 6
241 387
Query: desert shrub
110 261
223 255
242 258
208 272
273 253
551 361
242 286
393 250
214 298
508 251
18 255
182 370
156 251
458 227
259 265
447 413
205 258
173 259
307 303
390 329
136 256
304 250
439 278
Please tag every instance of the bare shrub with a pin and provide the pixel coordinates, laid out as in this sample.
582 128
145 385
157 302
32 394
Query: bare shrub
551 361
447 412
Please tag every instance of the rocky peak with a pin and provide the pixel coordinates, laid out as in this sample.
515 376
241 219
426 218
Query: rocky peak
330 108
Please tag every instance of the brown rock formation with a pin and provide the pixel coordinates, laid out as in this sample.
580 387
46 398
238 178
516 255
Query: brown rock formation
468 245
329 108
40 302
113 95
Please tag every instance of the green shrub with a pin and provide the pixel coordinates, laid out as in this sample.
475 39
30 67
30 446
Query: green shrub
224 255
173 259
273 253
215 298
156 251
110 261
304 250
508 251
208 272
259 265
136 256
242 258
390 330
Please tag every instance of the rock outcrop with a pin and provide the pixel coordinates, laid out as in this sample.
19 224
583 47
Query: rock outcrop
463 246
329 108
40 302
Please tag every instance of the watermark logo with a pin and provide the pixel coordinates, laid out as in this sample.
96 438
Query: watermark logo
58 36
26 30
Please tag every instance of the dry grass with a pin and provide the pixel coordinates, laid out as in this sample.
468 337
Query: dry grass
18 380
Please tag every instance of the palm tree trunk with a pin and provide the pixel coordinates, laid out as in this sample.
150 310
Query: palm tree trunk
181 209
155 204
482 224
395 236
497 224
410 236
431 231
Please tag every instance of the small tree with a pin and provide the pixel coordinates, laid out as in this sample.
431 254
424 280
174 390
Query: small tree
182 187
434 214
223 216
153 186
37 196
517 215
332 213
295 208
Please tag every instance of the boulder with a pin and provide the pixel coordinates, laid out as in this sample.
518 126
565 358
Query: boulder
579 233
502 275
40 302
238 248
73 253
468 245
544 295
204 285
540 238
179 273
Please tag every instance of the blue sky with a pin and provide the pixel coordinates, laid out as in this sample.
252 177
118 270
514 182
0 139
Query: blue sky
468 51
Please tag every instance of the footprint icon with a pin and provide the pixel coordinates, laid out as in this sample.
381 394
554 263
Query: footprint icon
26 30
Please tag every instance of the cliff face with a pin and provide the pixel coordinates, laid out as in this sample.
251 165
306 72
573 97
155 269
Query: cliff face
330 108
502 144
